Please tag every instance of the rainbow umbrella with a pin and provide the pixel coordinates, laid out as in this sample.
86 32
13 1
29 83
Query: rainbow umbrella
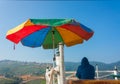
49 32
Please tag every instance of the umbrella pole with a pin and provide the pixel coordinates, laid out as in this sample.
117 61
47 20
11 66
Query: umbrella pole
53 38
62 71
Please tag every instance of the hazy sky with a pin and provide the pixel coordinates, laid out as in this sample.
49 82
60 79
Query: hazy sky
103 17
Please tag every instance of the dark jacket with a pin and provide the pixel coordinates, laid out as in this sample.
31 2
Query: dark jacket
85 70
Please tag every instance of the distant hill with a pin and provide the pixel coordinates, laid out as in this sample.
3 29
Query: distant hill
8 67
72 66
21 68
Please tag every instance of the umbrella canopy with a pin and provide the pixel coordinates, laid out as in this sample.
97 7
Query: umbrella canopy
46 32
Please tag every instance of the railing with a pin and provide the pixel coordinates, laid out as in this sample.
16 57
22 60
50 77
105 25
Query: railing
103 74
110 73
70 75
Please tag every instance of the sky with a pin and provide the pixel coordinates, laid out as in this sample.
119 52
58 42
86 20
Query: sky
103 17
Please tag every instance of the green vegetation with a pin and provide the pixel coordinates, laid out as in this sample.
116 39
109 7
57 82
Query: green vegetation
7 81
14 80
38 81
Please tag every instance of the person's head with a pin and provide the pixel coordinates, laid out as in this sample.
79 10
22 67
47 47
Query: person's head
84 61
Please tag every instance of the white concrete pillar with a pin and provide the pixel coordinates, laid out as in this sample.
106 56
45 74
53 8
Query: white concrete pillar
62 71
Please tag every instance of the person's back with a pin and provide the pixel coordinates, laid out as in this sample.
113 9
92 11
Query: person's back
85 70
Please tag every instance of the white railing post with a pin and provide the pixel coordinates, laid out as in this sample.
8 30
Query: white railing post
57 68
62 71
46 75
49 75
115 73
97 75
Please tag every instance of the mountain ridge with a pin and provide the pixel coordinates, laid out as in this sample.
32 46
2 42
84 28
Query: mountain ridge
11 67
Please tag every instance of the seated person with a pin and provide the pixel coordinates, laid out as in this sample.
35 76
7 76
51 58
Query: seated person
85 70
